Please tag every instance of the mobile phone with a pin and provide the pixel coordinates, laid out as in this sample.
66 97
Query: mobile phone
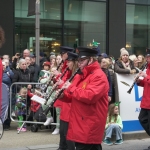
18 54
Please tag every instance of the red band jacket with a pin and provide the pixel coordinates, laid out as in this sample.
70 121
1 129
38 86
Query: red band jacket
88 94
145 83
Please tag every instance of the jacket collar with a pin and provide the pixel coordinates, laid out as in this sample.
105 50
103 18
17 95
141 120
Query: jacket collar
89 69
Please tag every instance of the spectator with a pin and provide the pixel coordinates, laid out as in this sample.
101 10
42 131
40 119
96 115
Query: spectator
42 60
6 57
104 63
135 60
30 67
124 65
36 68
22 74
141 61
7 75
45 73
26 53
15 61
113 125
20 108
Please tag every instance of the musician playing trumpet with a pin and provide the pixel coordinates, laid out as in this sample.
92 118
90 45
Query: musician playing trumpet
144 116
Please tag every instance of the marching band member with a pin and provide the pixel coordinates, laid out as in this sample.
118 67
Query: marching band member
65 107
63 52
144 116
88 94
57 74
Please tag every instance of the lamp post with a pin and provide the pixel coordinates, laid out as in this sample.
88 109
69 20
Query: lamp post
37 30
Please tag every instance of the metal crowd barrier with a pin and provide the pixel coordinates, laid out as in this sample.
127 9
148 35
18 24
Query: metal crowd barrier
23 107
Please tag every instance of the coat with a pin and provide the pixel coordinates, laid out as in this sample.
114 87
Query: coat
119 68
65 107
145 83
7 76
89 105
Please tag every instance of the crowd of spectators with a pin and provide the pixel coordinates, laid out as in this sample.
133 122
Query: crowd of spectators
23 68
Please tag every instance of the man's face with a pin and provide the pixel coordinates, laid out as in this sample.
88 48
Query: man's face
32 60
82 62
26 53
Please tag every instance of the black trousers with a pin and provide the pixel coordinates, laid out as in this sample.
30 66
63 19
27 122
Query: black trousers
81 146
65 144
144 118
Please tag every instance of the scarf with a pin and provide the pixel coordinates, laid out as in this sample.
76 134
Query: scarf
126 65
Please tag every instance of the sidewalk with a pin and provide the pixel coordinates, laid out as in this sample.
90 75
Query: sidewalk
44 140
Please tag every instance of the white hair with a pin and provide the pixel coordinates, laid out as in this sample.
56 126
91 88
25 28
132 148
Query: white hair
21 61
132 57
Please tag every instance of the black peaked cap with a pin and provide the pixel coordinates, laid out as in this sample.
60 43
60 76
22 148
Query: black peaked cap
72 56
65 49
87 52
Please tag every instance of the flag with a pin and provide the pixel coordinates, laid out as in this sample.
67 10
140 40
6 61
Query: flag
31 7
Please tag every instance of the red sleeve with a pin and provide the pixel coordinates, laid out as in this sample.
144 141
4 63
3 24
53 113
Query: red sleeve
67 97
30 94
65 78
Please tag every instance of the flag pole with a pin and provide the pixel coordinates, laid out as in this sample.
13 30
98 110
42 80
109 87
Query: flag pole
37 30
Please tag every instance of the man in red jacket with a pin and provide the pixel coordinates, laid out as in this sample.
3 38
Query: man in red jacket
144 116
88 94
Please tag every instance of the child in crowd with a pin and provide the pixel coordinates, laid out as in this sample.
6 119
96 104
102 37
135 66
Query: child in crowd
20 107
34 105
45 73
113 125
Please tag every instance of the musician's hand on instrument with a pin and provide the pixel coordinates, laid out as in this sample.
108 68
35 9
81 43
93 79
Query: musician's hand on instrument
133 71
142 74
138 80
66 85
56 72
60 82
57 92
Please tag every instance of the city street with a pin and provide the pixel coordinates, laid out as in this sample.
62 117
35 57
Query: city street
44 140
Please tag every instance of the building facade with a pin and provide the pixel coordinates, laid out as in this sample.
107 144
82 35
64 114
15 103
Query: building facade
112 23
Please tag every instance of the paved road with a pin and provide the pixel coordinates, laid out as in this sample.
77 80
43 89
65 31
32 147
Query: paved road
44 140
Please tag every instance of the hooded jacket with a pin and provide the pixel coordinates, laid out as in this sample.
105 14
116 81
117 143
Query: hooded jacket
88 94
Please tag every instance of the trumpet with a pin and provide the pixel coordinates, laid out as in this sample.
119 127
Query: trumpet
136 78
52 77
55 85
45 112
